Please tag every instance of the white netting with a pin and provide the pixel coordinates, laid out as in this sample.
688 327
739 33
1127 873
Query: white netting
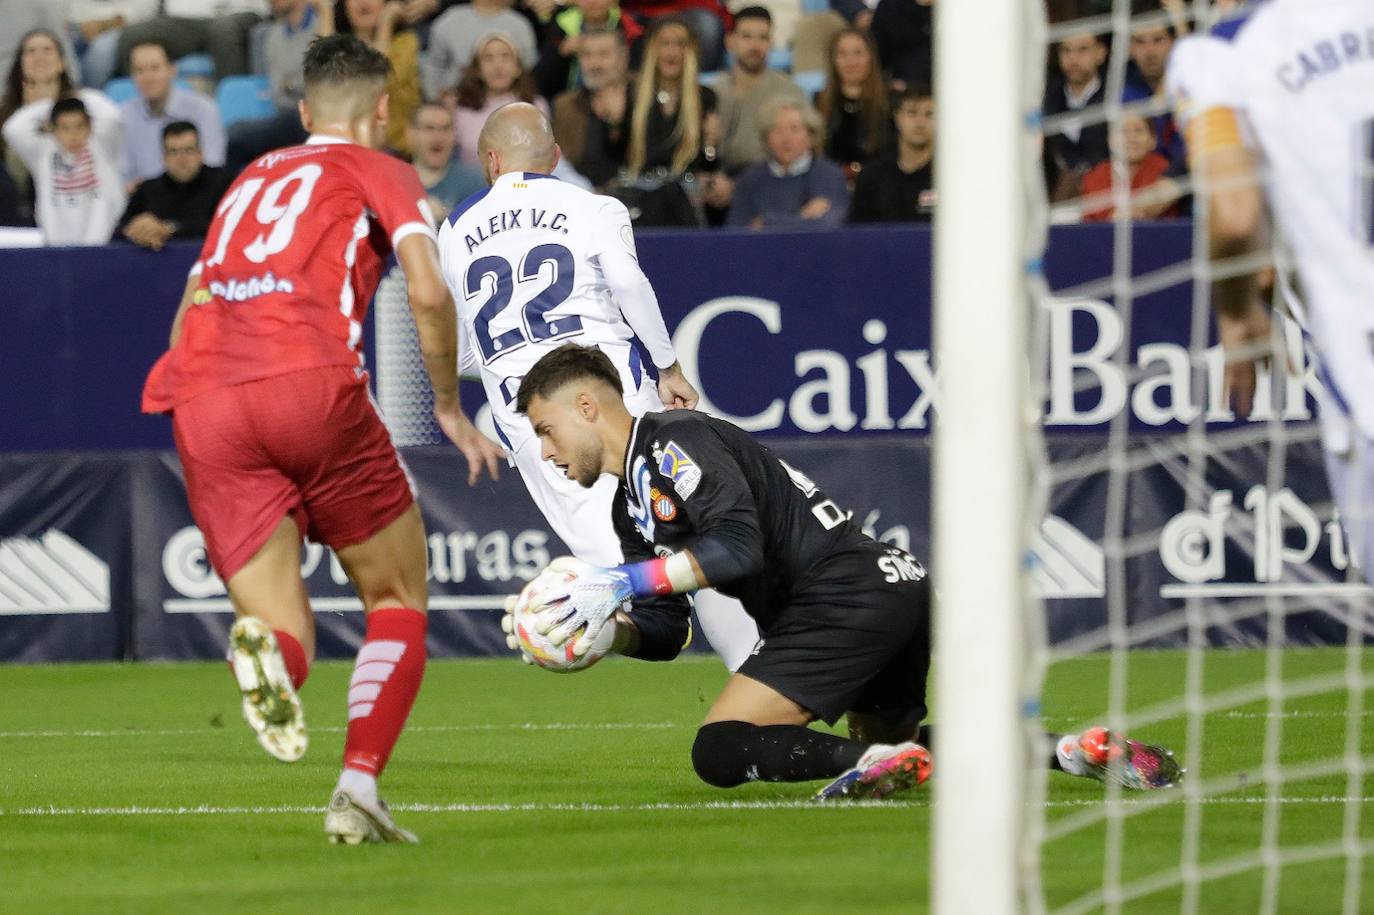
1233 622
403 389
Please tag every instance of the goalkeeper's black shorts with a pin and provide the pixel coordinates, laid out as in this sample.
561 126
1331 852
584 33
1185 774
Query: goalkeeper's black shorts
855 638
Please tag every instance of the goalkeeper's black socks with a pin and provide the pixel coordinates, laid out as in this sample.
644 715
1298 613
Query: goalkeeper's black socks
730 753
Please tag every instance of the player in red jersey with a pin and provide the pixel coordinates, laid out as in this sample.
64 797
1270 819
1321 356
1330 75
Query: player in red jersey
277 433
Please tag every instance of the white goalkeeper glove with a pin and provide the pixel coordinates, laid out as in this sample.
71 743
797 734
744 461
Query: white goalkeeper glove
508 627
588 598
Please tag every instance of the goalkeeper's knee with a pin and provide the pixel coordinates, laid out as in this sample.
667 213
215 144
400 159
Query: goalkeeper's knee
718 754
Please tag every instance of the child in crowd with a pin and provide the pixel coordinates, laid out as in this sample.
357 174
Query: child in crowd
80 196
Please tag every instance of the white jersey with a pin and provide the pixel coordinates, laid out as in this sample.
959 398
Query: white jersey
534 263
1300 76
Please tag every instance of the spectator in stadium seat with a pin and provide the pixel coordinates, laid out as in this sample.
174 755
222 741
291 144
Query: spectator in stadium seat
1154 194
899 186
161 102
74 160
95 27
558 69
1150 49
493 78
381 23
295 25
20 17
445 178
215 27
903 31
674 131
42 72
796 188
707 20
453 41
853 105
419 15
589 123
741 94
181 201
1075 148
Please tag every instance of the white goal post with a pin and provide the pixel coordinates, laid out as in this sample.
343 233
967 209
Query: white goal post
986 88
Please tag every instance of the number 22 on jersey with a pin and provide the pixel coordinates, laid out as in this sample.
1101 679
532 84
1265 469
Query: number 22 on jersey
493 276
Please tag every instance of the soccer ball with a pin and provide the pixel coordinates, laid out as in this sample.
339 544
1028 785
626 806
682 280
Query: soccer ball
520 619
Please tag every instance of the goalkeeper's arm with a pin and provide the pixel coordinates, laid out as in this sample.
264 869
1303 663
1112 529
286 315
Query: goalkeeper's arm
658 626
728 552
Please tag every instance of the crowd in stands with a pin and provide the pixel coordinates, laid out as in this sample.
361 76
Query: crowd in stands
127 118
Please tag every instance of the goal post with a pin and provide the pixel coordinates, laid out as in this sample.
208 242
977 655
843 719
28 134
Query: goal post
985 92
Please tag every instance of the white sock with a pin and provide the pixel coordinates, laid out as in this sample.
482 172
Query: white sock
1068 760
362 786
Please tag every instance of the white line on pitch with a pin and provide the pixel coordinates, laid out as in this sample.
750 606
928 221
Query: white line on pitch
206 810
527 726
799 804
1367 713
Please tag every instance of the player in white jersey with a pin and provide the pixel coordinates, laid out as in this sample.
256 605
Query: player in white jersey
533 263
1288 90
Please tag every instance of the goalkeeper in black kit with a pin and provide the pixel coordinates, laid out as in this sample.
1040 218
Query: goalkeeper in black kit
844 619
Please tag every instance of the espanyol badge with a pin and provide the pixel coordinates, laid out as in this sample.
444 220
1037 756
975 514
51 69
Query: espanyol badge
664 508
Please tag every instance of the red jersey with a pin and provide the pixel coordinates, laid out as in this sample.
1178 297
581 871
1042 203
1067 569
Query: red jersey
291 261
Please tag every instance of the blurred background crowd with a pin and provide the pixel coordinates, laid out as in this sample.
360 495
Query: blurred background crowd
127 119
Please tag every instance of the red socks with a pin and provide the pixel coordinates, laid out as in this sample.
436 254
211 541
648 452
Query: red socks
297 667
292 655
386 678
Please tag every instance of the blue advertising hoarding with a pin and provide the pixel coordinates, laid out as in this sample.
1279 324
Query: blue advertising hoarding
819 342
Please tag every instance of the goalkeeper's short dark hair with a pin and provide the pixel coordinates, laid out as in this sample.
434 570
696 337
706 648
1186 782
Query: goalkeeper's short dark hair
564 365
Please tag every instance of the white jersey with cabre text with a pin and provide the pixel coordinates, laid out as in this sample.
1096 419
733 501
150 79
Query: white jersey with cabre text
534 263
1300 76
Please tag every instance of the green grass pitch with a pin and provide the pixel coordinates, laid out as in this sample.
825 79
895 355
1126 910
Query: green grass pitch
138 788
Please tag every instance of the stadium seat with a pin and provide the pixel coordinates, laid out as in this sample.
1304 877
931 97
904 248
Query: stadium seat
814 6
196 65
120 90
244 98
810 81
710 78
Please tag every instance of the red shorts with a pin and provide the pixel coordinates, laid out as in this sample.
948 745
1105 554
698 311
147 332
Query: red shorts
309 444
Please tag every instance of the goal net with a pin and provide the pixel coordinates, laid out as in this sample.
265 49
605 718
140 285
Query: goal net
1226 619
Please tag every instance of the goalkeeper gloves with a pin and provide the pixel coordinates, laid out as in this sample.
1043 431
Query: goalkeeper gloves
585 601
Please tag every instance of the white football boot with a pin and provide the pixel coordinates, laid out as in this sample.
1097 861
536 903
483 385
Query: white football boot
350 821
270 704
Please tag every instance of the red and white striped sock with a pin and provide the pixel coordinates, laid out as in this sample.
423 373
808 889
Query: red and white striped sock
386 678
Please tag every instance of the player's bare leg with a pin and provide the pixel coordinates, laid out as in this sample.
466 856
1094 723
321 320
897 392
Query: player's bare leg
388 570
272 641
754 733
